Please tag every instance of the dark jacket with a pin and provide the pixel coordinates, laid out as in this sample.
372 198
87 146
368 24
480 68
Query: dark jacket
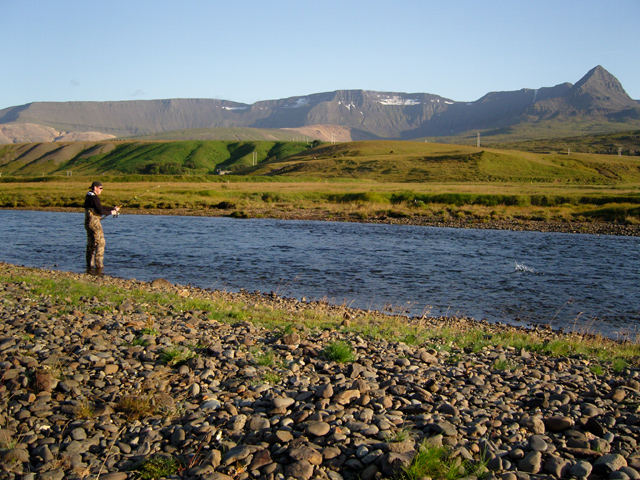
92 202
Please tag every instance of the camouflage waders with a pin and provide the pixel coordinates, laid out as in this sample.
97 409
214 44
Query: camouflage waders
95 239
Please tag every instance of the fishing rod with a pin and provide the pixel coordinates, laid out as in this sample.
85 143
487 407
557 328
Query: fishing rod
126 202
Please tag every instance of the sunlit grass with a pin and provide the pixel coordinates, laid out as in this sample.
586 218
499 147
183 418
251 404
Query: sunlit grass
357 200
437 462
340 352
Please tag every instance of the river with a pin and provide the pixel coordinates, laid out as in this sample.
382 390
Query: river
577 282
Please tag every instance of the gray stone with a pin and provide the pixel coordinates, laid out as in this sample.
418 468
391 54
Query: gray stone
618 475
79 434
301 470
282 402
581 469
609 463
394 463
558 467
14 455
53 475
259 423
210 405
537 443
445 428
178 436
632 473
531 463
114 476
217 476
238 453
319 429
495 464
533 424
324 391
558 423
311 455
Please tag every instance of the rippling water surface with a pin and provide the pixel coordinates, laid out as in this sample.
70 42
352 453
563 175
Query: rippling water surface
570 281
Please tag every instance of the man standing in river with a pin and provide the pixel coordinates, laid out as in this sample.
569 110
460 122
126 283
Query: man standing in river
93 212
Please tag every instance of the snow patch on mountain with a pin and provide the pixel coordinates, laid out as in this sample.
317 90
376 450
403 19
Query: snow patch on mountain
301 102
398 100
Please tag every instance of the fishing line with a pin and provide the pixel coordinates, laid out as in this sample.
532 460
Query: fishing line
126 202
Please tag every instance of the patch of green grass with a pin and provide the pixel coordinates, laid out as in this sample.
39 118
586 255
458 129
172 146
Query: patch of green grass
272 377
619 364
176 356
139 342
400 435
157 467
436 462
340 352
27 337
597 369
504 365
266 359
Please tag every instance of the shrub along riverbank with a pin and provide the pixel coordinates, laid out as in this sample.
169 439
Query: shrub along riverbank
113 378
547 207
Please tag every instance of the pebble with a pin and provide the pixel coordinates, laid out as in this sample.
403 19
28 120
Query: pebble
67 372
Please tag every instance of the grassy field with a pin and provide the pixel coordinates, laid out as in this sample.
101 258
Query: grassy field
359 200
609 144
358 180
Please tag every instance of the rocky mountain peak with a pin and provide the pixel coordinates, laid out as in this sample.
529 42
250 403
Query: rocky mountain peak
599 90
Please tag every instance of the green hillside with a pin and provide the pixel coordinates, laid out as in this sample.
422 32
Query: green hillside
387 161
378 161
143 157
554 131
626 143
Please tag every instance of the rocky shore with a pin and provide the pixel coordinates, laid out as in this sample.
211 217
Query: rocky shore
106 390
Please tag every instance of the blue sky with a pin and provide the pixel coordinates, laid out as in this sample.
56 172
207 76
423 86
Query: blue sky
246 51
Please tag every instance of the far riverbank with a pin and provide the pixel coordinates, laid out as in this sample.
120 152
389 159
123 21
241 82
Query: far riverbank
590 228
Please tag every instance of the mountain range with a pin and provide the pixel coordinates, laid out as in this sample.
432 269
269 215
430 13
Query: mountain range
596 103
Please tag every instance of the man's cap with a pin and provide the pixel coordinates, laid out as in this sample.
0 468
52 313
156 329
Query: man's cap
96 184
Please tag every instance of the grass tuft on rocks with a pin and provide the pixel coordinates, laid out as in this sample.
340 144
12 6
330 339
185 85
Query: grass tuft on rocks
85 410
157 467
339 352
135 407
176 356
434 461
265 359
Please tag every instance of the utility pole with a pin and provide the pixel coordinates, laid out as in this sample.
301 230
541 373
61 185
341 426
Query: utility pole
478 141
